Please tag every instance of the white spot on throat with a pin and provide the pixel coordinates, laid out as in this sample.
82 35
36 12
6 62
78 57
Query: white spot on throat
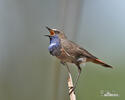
52 44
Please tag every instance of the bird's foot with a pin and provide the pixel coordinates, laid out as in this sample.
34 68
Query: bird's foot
71 89
63 63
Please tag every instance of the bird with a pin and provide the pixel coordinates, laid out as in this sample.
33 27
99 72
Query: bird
69 52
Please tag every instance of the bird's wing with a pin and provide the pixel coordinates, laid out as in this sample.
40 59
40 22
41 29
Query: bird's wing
75 50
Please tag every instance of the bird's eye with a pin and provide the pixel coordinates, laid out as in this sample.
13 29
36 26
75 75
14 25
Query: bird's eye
56 32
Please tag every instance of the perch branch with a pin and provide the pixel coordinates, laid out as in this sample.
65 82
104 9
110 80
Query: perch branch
70 85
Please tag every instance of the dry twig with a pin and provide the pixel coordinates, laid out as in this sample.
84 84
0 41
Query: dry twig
70 85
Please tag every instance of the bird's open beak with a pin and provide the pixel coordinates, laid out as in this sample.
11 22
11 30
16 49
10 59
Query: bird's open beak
50 30
47 35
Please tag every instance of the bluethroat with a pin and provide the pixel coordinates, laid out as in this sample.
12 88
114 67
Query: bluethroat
68 51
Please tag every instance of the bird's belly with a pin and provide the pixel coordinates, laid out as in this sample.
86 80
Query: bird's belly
71 59
65 58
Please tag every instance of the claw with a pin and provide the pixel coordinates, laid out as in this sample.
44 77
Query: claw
63 63
70 87
71 90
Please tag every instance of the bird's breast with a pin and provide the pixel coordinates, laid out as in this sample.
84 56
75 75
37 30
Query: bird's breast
54 49
65 57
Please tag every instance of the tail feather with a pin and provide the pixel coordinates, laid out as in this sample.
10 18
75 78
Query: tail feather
97 61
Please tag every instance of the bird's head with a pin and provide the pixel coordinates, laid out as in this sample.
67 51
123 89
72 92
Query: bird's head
55 33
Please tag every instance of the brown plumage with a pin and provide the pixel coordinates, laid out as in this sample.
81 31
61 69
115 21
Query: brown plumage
73 53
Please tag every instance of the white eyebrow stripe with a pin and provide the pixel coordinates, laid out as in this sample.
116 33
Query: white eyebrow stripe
54 29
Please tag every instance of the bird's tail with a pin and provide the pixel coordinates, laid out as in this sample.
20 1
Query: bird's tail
97 61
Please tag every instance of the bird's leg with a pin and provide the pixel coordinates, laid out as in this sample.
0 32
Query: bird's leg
77 78
67 67
64 63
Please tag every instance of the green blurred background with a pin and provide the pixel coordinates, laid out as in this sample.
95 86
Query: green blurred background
28 72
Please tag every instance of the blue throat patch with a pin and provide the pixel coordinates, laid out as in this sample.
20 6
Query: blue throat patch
55 46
